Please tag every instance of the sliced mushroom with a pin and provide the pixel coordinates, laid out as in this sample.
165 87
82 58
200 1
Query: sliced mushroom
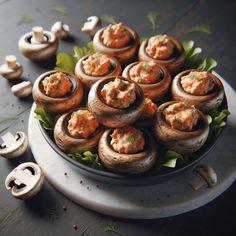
22 90
155 91
181 141
13 146
110 116
134 163
124 55
25 181
206 176
202 102
91 26
61 104
173 64
60 30
11 69
38 45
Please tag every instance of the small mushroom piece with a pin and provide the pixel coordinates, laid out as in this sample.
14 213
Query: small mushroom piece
11 69
13 146
22 90
91 26
205 175
25 181
38 45
60 30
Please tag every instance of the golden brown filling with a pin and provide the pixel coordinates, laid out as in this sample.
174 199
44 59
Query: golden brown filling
127 140
82 124
116 36
181 116
119 93
150 108
57 85
97 64
197 83
160 47
145 72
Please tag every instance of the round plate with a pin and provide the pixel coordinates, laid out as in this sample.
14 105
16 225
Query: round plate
148 178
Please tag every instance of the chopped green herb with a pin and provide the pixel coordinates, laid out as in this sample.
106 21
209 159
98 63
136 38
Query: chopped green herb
25 20
152 17
58 8
177 120
171 158
131 139
203 28
112 227
109 19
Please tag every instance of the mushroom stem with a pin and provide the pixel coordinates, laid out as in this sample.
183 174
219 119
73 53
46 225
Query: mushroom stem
10 61
38 35
8 138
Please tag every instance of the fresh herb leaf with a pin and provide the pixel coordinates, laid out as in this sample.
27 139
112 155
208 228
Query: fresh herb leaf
152 17
87 158
208 64
203 28
112 227
218 118
7 118
48 120
25 20
58 8
52 213
171 158
131 138
109 19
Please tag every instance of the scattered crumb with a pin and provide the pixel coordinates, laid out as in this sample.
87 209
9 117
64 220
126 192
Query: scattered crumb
75 227
65 173
64 207
81 181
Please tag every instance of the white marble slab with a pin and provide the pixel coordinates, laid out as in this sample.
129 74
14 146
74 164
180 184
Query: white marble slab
146 202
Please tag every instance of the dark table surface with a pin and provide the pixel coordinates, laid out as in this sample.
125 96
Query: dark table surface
175 18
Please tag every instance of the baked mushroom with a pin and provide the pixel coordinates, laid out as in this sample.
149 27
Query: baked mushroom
117 40
153 78
11 69
181 127
77 131
25 181
116 101
22 90
201 88
96 67
38 45
58 91
127 150
165 50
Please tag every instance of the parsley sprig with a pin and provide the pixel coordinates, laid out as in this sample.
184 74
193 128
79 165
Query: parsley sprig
112 227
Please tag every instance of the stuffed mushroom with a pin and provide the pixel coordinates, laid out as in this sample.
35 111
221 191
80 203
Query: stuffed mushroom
58 91
127 150
95 67
77 131
165 50
153 78
201 88
116 101
181 127
117 40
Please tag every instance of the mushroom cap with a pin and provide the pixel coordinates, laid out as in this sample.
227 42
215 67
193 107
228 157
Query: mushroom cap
91 25
60 30
154 91
183 142
22 90
89 80
70 144
111 116
174 64
38 52
25 180
134 163
124 55
62 104
13 146
201 102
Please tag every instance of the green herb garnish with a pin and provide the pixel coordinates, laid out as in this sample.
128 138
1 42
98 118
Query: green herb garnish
218 118
112 227
25 20
171 158
193 61
177 120
109 19
52 213
152 17
203 28
7 118
58 8
87 158
48 120
131 139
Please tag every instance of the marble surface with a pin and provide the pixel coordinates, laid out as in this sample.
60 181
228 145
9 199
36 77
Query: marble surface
165 199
